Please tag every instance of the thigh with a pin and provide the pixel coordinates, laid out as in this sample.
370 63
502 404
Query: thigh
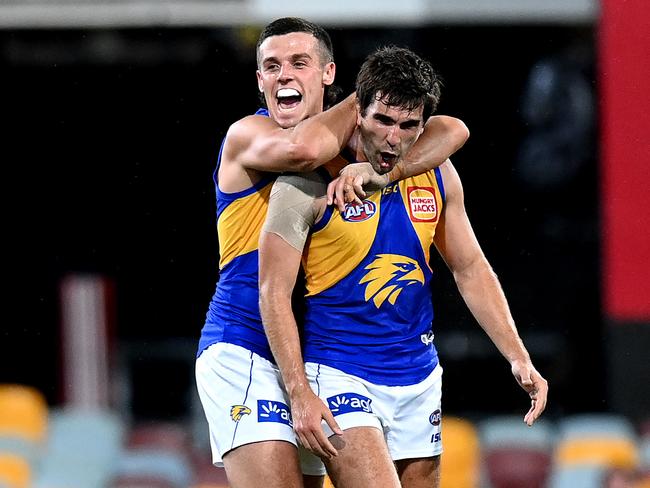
415 424
363 460
243 400
419 473
271 464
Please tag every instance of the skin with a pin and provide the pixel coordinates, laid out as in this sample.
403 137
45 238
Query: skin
381 129
257 144
386 133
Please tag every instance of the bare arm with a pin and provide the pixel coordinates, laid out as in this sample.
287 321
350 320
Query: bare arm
290 212
259 143
442 137
482 292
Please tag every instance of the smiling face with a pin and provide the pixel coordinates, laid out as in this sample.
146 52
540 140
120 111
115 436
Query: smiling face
387 133
292 77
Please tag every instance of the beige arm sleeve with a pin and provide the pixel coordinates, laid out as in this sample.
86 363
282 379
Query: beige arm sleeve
292 207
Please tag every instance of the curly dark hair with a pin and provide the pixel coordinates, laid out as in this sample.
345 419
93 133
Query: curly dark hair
400 78
287 25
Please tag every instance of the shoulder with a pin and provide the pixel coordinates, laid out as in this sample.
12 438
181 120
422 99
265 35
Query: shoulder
244 130
311 184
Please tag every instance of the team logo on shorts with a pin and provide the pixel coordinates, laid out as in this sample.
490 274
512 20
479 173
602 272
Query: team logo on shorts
349 402
355 212
270 411
422 203
435 417
387 275
238 411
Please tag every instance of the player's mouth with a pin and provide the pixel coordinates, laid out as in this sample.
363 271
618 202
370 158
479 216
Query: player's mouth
387 159
288 98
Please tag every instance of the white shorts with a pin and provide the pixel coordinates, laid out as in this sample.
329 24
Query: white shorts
409 416
244 402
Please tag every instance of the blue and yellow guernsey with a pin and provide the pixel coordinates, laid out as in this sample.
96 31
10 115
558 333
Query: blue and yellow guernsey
234 314
369 310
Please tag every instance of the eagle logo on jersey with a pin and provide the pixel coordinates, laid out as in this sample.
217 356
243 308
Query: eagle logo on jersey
238 411
388 275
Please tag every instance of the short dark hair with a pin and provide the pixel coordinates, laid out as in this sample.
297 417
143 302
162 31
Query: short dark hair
287 25
401 78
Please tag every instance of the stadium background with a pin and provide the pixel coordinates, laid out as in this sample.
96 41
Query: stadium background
113 113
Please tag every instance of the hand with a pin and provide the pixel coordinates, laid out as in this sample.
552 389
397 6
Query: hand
307 411
355 181
345 189
535 385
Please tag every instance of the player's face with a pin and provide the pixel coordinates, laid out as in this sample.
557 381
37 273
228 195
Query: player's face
292 77
387 133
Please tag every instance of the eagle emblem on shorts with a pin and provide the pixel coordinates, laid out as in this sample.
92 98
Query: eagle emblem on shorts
238 411
387 276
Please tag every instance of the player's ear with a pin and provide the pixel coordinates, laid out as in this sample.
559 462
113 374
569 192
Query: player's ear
260 85
329 71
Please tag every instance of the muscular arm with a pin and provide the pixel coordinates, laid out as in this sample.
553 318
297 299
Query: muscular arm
442 137
482 292
259 143
292 211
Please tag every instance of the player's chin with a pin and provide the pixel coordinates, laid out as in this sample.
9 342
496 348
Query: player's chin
290 118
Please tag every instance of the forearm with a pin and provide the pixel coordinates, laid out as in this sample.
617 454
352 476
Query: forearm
442 137
282 333
322 137
482 292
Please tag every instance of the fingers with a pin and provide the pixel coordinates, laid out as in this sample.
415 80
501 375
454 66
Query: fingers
340 194
538 395
345 189
329 418
357 190
309 430
318 443
331 188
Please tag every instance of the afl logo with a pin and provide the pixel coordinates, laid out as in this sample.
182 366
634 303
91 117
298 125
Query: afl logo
423 206
435 417
355 212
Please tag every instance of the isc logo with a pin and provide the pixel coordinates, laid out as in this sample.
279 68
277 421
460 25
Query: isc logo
437 437
270 411
349 402
355 212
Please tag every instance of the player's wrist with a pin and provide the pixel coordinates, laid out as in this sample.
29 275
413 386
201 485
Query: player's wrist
395 174
298 387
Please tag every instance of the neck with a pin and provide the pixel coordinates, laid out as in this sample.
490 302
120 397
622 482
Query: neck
355 147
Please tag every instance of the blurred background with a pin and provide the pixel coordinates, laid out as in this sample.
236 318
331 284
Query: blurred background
113 112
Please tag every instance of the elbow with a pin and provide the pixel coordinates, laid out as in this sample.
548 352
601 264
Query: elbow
459 132
477 269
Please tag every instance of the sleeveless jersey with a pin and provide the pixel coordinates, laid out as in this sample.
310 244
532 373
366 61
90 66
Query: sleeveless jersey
234 315
368 305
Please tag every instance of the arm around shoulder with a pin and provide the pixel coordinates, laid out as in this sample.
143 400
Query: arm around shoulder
259 143
441 138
